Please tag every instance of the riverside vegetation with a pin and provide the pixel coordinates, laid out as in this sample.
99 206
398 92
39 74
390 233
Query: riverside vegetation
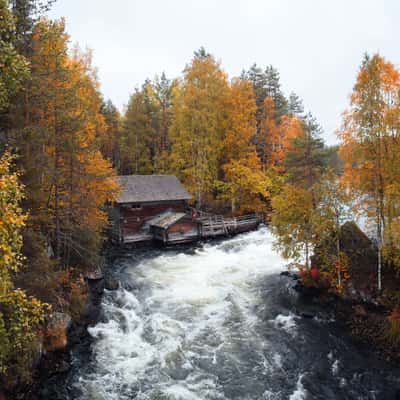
239 145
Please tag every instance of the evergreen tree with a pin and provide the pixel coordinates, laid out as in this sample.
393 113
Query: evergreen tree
13 66
259 81
138 137
27 13
201 53
295 208
306 160
163 91
66 176
267 133
273 90
110 142
295 105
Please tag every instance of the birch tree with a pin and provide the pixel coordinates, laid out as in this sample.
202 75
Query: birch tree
370 147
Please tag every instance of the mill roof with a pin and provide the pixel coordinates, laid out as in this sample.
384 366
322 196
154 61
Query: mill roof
168 219
149 188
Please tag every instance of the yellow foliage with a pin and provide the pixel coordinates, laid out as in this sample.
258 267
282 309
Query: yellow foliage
75 181
20 315
12 220
370 147
198 125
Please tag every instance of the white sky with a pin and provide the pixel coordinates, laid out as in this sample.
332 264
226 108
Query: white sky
317 45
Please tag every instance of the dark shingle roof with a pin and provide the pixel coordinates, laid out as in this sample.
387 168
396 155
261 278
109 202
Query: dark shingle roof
146 188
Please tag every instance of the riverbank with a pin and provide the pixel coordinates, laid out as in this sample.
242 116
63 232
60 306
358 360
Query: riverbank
55 365
364 317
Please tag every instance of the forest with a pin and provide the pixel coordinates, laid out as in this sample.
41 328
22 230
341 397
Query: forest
238 144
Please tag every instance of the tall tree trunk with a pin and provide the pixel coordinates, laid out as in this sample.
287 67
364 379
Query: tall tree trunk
199 199
307 256
57 204
56 182
380 244
339 264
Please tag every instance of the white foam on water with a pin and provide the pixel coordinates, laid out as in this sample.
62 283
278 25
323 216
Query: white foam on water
285 322
300 393
268 395
278 360
335 368
162 340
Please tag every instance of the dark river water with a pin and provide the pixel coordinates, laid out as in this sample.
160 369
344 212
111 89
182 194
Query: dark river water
218 322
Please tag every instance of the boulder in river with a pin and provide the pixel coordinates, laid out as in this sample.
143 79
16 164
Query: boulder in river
111 283
290 274
94 274
360 311
56 332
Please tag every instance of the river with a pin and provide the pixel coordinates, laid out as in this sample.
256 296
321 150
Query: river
217 321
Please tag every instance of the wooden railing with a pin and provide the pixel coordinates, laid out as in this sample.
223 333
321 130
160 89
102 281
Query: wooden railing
216 225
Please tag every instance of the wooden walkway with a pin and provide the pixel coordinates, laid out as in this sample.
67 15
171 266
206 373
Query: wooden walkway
204 226
217 225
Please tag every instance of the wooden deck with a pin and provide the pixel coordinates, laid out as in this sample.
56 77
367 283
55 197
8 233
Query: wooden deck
218 225
203 227
137 238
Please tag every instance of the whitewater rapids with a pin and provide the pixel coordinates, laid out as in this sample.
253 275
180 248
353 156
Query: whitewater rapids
218 322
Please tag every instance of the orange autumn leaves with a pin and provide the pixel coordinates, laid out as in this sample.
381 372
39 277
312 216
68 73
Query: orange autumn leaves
65 100
12 220
276 137
57 132
216 145
370 146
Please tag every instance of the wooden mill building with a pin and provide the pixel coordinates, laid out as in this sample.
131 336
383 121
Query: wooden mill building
155 207
151 206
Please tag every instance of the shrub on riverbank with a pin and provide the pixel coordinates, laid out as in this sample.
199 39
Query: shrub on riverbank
392 330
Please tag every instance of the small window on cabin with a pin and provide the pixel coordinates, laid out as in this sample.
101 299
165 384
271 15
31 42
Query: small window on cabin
136 206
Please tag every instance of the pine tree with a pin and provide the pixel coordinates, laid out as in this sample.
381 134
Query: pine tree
66 176
295 105
110 142
295 208
13 66
306 160
259 81
137 141
163 91
273 90
267 133
27 13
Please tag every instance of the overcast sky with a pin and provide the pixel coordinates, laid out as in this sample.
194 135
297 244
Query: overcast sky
317 45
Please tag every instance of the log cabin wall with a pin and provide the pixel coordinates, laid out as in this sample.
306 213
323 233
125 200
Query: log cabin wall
183 226
134 216
183 231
